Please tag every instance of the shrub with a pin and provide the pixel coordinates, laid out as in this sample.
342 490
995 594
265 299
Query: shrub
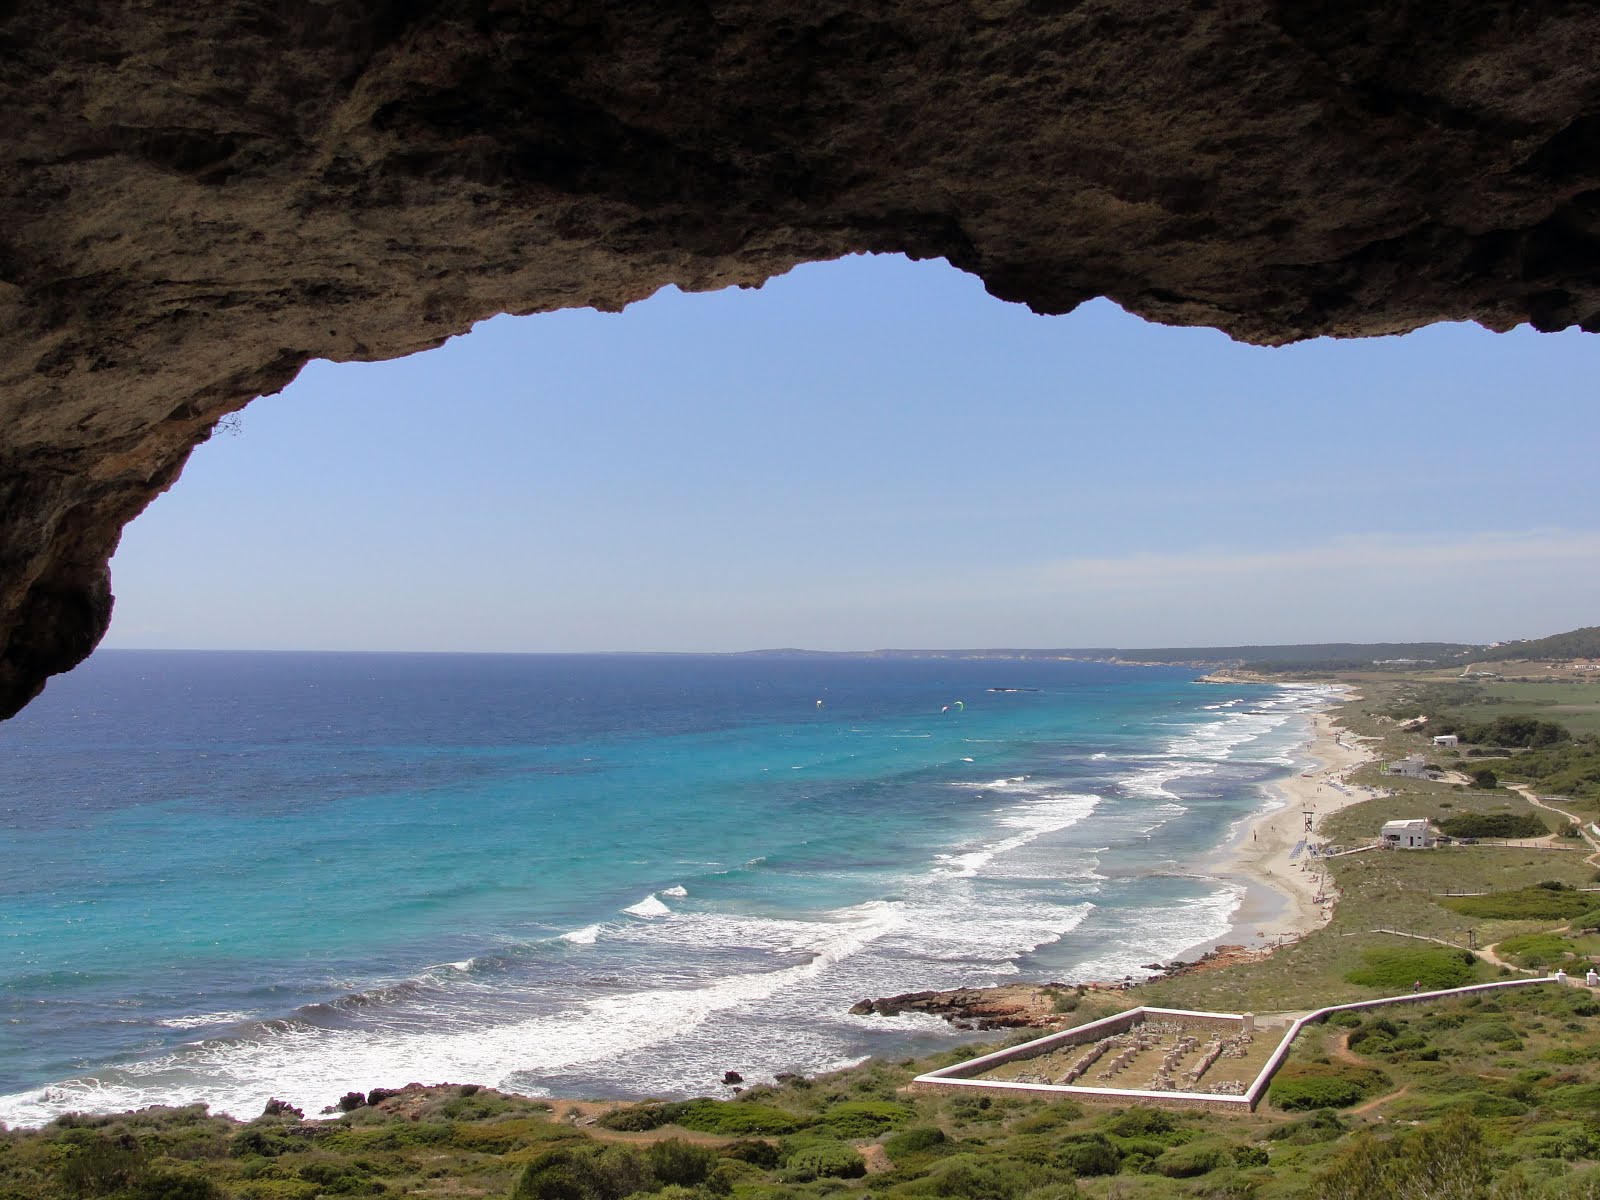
919 1139
262 1143
1574 1097
1250 1156
1486 1104
674 1161
1318 1085
1493 825
1536 949
1090 1154
1185 1162
1324 1125
823 1160
970 1178
756 1153
548 1177
866 1118
736 1118
584 1173
1141 1122
641 1118
1367 1035
174 1185
1051 1116
1446 1160
96 1164
1055 1191
1395 969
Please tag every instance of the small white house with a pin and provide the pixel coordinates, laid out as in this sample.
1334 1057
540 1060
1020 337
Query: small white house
1447 739
1408 835
1413 766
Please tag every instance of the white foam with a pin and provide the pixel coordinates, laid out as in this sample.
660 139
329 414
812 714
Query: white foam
650 906
309 1066
202 1020
1157 934
677 890
587 936
1033 819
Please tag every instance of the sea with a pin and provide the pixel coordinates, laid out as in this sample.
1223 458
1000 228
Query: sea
226 877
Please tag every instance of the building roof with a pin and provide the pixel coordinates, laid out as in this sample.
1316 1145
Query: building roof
1419 824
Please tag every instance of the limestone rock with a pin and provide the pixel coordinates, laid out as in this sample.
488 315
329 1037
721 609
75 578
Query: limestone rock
195 200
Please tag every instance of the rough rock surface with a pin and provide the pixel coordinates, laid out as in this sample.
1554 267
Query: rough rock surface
196 199
1005 1006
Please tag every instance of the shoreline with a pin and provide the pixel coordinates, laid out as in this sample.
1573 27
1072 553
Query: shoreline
1285 896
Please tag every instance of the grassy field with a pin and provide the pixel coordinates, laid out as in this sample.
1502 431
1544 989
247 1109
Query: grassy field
1575 705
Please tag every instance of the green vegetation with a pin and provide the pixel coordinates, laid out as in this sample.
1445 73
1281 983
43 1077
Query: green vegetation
1578 643
1539 950
1547 901
1508 1083
1494 825
1393 969
1571 769
1505 730
1307 1086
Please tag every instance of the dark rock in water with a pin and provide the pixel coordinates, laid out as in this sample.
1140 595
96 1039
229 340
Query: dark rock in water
282 1108
1004 1007
732 1077
351 1101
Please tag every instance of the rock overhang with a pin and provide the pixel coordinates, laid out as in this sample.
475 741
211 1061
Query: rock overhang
198 202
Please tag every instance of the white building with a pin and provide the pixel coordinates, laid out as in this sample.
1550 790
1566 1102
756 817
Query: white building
1408 835
1413 766
1446 739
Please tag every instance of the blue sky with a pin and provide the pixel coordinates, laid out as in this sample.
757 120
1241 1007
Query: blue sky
874 452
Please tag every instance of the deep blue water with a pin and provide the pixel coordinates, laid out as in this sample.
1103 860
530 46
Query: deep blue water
229 876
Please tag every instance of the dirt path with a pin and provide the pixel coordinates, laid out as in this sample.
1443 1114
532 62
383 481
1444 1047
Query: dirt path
1527 793
1494 960
1367 1106
1341 1050
584 1113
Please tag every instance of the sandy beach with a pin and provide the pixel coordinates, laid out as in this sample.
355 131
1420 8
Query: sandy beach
1285 893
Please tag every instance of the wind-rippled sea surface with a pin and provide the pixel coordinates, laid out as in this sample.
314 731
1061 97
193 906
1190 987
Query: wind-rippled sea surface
233 876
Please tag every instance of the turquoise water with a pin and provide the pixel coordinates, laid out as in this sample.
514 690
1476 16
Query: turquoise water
229 876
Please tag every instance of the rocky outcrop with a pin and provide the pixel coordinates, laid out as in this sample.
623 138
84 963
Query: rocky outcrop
195 200
1007 1006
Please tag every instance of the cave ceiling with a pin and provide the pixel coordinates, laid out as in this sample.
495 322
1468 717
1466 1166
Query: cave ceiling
199 199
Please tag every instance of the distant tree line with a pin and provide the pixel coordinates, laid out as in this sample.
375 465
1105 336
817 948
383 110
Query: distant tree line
1494 825
1577 643
1514 731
